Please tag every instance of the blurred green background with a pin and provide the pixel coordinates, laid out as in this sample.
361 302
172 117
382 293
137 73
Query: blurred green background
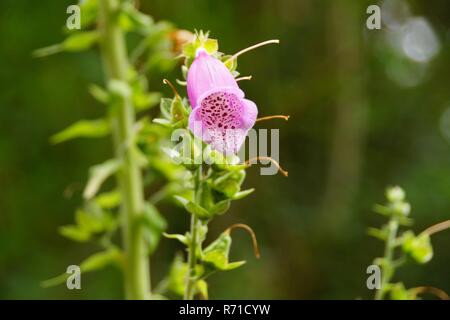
369 108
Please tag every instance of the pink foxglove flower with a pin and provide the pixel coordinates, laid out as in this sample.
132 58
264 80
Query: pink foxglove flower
220 115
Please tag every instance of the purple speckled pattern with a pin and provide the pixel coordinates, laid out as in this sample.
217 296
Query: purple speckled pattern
220 114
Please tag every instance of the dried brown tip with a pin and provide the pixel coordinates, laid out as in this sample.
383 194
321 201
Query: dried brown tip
252 234
437 227
175 92
278 116
179 38
441 294
283 172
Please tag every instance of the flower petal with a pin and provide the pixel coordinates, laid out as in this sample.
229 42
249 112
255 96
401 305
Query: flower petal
223 120
207 73
250 113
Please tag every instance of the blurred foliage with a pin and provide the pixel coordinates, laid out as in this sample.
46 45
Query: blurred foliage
307 250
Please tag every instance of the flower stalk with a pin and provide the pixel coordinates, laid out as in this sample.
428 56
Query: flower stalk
388 265
116 64
191 276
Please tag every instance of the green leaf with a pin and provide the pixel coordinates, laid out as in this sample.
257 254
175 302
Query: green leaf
242 194
202 289
230 183
163 122
89 12
119 89
89 222
385 211
211 46
74 233
98 174
94 262
215 256
99 93
154 225
165 106
230 63
399 292
108 200
182 238
193 208
47 51
177 276
178 111
220 207
378 233
101 259
130 19
417 247
184 71
234 265
144 101
153 218
83 128
80 41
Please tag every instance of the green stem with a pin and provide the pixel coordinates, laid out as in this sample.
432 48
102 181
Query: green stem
191 277
388 267
115 60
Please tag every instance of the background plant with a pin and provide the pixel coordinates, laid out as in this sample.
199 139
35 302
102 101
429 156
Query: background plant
123 207
402 247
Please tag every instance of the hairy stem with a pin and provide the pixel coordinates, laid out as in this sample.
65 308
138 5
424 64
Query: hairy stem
115 61
191 277
388 266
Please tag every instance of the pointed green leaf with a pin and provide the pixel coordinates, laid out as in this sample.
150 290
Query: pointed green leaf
234 265
193 208
144 101
165 106
378 233
74 233
418 247
83 128
182 238
220 207
202 289
109 200
242 194
177 276
211 46
154 225
98 174
80 41
94 262
163 122
99 93
101 259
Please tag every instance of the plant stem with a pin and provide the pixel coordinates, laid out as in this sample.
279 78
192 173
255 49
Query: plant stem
191 277
115 61
388 266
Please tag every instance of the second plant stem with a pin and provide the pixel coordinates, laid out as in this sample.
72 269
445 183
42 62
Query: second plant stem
116 65
388 266
194 244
